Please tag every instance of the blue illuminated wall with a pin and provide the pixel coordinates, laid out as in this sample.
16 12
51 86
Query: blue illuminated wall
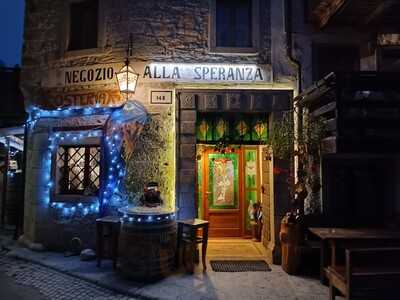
48 219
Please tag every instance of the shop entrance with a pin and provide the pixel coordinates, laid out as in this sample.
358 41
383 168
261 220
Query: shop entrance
228 186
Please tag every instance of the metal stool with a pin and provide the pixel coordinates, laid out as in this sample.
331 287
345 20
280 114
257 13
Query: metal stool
188 236
112 225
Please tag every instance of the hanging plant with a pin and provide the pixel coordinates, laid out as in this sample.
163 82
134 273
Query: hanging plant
305 145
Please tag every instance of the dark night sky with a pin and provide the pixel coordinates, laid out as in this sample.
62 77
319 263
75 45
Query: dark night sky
11 31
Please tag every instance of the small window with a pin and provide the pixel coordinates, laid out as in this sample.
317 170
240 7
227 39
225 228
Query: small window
78 170
234 25
389 59
83 22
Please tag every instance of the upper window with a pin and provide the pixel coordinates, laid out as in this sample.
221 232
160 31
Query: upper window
78 170
389 59
83 28
234 25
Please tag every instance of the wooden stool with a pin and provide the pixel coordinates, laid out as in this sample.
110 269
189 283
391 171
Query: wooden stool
187 235
112 225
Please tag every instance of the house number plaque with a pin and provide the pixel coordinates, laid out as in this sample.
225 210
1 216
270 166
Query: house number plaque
161 97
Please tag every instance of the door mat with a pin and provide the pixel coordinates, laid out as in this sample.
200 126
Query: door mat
239 266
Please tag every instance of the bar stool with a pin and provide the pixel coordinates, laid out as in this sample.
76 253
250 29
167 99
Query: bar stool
107 228
188 236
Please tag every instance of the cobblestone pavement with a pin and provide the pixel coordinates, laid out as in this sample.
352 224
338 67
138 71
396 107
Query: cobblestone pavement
53 284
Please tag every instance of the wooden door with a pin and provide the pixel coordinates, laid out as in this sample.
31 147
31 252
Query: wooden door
223 193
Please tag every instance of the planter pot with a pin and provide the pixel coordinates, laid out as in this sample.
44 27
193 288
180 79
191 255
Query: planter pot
291 237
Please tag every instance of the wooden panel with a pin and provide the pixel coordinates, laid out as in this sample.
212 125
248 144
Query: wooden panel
221 220
326 10
359 14
224 224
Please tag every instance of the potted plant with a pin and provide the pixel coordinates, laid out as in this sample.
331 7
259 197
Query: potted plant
302 144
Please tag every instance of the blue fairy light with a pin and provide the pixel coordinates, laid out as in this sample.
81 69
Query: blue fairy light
56 137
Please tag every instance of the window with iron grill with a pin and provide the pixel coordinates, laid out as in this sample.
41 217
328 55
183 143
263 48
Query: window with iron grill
78 170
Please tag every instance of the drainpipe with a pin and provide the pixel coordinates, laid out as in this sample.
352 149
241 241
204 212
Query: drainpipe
289 52
289 40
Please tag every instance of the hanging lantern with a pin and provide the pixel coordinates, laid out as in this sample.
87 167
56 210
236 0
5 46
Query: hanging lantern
127 79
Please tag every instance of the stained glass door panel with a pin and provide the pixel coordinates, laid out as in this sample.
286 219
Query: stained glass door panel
222 205
223 183
251 179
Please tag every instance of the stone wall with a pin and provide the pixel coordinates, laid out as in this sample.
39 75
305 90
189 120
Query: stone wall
163 31
44 223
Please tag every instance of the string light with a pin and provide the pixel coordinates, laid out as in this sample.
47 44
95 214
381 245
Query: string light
115 172
68 208
54 139
148 218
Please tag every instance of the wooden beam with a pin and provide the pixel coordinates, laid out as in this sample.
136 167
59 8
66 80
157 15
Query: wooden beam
5 183
324 12
379 11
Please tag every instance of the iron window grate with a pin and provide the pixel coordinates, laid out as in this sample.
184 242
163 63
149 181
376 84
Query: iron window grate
79 170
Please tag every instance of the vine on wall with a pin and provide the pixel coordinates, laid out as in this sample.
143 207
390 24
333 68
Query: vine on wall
153 159
305 145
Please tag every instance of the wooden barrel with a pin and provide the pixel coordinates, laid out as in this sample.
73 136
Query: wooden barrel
290 237
147 250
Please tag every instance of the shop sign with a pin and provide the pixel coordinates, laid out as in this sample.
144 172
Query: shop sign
105 74
51 99
206 72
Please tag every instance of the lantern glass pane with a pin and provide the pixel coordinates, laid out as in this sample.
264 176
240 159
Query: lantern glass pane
127 80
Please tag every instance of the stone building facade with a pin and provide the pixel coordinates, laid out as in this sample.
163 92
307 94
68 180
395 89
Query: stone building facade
175 53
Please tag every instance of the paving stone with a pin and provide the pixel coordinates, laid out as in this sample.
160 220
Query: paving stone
52 284
274 285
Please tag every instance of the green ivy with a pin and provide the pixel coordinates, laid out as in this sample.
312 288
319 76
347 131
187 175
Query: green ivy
305 144
153 159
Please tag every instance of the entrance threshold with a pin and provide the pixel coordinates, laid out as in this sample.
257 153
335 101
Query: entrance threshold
235 248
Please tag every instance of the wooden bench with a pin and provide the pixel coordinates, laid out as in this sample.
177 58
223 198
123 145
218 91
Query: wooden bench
367 272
